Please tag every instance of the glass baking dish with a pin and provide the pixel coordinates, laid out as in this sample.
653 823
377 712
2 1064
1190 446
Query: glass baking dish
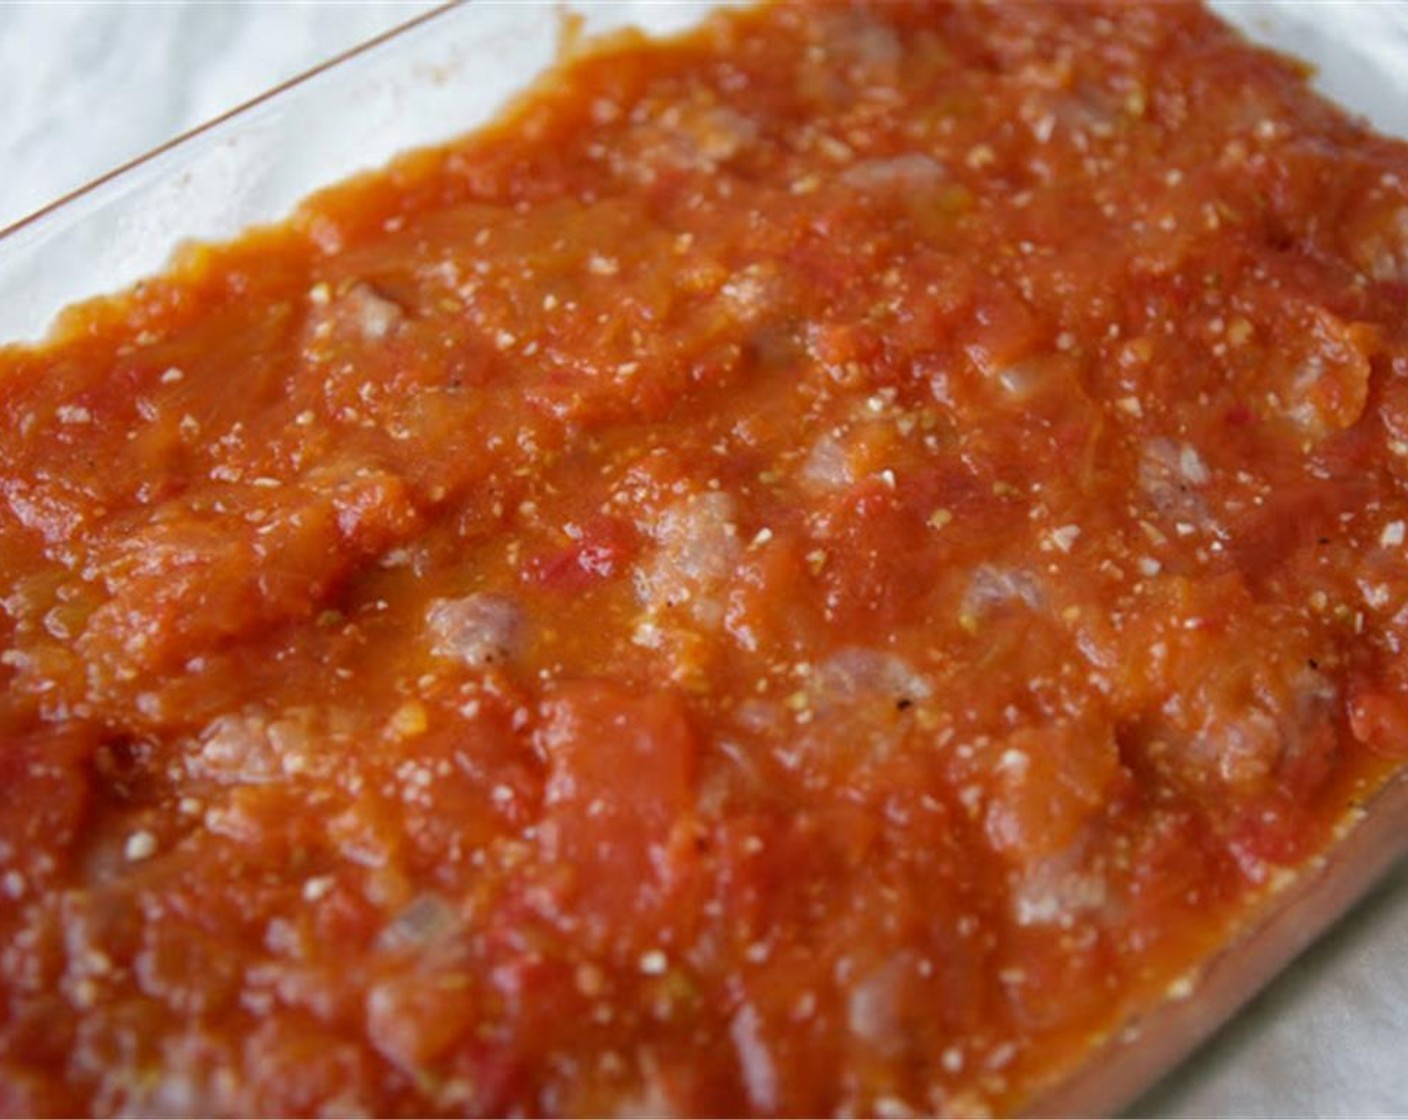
449 71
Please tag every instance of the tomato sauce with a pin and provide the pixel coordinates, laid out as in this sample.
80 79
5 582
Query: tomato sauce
818 566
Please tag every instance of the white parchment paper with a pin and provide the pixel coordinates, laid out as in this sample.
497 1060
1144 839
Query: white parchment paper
85 87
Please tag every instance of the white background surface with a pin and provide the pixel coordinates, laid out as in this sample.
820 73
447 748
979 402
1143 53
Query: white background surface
85 87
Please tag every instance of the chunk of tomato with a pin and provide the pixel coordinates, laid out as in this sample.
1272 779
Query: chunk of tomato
618 828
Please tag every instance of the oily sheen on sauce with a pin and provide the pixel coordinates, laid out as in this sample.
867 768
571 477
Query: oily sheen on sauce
817 567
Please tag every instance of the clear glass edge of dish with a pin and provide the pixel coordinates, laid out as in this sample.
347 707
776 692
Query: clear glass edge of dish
1371 841
182 141
440 74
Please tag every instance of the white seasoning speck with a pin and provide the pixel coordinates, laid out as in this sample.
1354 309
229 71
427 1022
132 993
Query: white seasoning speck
647 635
140 845
980 156
1148 566
73 414
952 1059
1393 534
1001 1055
317 887
172 376
1191 465
654 963
13 884
1375 595
1064 537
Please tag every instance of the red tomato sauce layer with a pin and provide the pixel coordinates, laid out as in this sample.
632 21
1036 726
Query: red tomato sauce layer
815 567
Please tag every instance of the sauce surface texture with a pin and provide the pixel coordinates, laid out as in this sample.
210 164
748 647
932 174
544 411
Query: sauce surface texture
815 567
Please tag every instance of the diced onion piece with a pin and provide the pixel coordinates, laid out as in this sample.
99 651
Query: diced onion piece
478 630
